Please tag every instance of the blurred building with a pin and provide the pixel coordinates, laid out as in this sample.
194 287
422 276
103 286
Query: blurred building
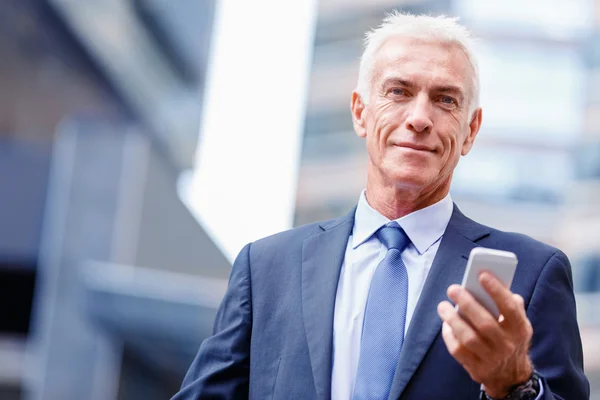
107 282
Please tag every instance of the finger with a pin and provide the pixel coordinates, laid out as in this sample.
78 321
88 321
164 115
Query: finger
508 306
463 356
525 329
478 316
466 335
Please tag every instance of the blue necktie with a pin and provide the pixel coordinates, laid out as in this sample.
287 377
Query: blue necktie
385 318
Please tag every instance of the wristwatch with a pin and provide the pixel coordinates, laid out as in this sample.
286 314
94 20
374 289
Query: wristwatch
524 391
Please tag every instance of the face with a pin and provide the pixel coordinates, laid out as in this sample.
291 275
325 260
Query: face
416 122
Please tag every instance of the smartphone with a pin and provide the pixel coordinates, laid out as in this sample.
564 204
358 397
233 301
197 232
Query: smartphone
501 264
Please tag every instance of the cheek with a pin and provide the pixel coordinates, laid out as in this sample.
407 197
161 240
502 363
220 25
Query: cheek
386 119
452 144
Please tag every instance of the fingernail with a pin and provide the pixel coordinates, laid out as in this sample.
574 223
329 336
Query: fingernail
485 278
445 327
455 290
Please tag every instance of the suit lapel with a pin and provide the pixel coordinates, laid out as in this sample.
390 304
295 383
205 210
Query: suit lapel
322 257
448 267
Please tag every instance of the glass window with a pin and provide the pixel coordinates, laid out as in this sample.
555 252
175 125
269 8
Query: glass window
531 92
510 173
557 18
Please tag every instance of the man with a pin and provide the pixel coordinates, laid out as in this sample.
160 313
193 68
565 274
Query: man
356 307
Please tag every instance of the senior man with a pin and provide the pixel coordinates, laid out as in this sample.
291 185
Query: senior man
354 308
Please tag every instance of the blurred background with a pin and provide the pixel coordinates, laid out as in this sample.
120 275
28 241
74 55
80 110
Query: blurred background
144 142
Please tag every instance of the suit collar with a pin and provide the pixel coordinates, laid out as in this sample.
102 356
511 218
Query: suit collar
322 257
448 267
466 227
333 223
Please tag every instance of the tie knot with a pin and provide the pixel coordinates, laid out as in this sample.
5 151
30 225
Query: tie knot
393 236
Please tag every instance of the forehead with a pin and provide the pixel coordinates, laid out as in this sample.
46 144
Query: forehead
423 61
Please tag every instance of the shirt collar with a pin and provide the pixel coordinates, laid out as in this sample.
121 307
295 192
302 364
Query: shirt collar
424 227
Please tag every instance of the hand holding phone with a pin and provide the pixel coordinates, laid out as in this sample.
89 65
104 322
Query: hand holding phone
502 264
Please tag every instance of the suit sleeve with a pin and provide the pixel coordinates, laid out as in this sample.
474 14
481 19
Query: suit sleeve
221 367
556 349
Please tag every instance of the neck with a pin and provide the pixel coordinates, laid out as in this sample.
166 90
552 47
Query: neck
397 200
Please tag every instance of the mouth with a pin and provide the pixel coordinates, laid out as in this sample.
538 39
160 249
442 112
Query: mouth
415 147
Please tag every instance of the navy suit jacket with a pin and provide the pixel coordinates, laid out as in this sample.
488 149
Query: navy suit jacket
274 329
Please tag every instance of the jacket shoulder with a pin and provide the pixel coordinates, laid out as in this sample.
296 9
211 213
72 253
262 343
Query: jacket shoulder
533 255
487 236
289 236
520 243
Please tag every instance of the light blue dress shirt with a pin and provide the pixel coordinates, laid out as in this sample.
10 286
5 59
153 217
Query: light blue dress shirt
364 252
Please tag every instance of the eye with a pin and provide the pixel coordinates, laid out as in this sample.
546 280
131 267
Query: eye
448 100
398 92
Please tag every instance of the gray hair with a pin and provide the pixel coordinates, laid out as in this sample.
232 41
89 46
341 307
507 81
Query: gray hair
439 29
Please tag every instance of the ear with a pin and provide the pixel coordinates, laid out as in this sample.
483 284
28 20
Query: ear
473 131
358 115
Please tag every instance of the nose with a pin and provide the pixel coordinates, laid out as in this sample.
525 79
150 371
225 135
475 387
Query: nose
419 118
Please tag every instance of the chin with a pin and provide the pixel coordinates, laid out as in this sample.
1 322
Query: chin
409 178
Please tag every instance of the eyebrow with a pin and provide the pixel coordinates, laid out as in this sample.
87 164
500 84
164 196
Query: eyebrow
397 81
450 89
